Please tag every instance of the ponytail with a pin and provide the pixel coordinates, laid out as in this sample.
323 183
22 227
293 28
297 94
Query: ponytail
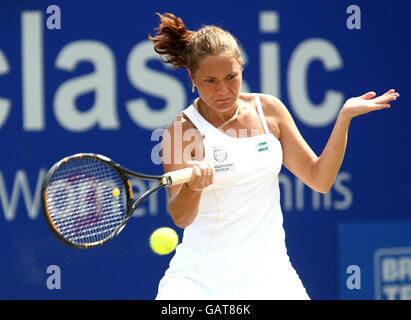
171 40
184 48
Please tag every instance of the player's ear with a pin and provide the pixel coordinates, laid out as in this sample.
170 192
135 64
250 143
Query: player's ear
190 74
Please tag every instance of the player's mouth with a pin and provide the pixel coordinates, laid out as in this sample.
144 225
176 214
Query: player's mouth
222 101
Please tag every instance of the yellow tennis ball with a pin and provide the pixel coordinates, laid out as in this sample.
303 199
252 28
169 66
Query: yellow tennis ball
116 192
163 240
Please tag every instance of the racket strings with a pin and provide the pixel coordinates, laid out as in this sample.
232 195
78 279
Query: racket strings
81 202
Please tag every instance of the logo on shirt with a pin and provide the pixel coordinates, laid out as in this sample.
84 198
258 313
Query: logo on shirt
262 146
219 154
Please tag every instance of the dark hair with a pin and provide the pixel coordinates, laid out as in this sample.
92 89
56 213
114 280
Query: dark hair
184 48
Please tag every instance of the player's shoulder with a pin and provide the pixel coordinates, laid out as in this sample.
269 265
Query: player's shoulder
181 121
272 105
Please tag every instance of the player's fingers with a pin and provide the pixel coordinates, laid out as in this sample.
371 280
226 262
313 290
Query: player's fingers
210 173
376 107
206 173
383 106
197 181
389 91
386 98
209 169
203 174
368 95
196 172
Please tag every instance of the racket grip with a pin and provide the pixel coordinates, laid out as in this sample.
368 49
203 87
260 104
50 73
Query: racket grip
179 176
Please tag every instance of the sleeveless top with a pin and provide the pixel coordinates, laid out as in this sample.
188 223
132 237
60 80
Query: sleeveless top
235 248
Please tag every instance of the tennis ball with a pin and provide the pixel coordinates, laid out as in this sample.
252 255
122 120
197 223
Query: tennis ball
163 240
116 192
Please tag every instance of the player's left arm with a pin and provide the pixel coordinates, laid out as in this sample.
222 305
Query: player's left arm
319 173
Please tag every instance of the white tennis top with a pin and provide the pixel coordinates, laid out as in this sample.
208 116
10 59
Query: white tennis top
235 248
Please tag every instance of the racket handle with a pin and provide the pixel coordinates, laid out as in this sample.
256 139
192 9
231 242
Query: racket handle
179 176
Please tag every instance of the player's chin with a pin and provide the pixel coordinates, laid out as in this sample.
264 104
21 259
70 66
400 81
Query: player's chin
225 104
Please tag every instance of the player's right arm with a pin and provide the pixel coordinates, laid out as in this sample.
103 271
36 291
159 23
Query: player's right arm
182 147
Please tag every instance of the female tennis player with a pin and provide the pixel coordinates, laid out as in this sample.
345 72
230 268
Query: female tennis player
234 244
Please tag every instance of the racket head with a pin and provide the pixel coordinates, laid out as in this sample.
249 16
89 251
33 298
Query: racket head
86 200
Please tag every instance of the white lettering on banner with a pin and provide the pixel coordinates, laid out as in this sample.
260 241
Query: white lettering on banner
392 269
293 197
9 201
151 204
21 185
270 69
155 83
101 82
347 195
5 104
32 71
396 269
396 292
270 55
305 53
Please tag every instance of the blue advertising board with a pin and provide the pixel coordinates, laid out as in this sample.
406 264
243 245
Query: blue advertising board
375 260
82 76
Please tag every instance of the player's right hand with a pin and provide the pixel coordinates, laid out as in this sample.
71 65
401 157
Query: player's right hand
203 175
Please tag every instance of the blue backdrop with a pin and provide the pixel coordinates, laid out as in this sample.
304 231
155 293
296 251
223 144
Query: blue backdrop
94 84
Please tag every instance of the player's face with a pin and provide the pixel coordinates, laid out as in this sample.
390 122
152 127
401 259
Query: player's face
218 80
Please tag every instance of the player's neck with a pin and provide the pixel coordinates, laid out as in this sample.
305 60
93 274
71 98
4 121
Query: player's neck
219 118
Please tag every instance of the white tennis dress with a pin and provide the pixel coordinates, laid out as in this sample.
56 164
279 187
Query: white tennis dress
235 247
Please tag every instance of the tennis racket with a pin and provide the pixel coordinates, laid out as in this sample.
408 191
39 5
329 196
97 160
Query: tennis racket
87 198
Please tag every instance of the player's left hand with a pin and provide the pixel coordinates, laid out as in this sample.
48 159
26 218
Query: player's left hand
367 103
